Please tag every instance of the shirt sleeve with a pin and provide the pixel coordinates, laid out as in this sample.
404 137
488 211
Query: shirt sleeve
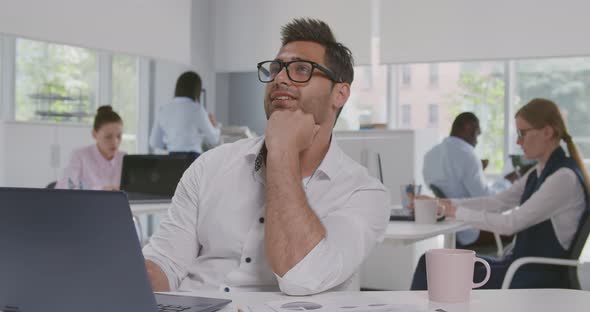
210 133
500 213
174 245
473 178
72 173
351 234
157 136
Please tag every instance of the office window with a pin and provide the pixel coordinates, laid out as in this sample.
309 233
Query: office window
125 86
54 82
367 103
433 74
406 75
468 86
406 115
566 81
433 115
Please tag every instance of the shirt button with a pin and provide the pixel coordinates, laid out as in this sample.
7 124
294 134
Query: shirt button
248 260
226 289
261 220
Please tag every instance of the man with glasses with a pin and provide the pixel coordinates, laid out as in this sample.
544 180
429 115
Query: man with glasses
286 211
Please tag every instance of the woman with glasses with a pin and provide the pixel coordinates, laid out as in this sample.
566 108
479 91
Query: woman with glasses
544 209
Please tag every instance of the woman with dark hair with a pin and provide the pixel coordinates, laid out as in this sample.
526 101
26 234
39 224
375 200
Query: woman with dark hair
98 166
182 126
544 208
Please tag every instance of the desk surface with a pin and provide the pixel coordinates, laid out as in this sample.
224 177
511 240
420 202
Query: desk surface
408 230
149 208
537 300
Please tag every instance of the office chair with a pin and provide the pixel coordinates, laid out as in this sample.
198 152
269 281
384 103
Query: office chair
437 191
573 260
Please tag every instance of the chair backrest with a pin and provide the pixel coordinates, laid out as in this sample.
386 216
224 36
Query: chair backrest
51 185
576 250
437 191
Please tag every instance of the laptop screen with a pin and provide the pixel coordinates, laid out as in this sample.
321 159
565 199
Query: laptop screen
70 250
153 174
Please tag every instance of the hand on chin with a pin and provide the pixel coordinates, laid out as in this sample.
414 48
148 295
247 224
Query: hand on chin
290 130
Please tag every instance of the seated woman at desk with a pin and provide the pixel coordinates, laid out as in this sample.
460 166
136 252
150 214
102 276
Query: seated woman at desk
97 166
544 209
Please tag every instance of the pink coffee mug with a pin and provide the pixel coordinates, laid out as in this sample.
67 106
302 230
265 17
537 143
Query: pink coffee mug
450 274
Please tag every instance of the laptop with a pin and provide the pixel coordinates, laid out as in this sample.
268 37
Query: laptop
403 214
75 250
152 178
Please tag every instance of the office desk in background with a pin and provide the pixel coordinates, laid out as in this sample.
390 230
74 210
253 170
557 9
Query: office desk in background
511 300
391 264
408 232
144 215
149 208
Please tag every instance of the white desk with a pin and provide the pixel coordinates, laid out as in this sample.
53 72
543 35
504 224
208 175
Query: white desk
517 300
149 208
391 264
407 232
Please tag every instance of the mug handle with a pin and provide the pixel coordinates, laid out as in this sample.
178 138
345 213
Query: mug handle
438 204
488 272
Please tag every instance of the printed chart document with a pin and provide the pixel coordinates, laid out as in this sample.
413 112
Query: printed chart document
357 303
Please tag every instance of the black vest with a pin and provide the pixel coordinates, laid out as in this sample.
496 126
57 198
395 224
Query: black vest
540 239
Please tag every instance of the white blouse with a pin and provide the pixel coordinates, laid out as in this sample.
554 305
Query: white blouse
560 198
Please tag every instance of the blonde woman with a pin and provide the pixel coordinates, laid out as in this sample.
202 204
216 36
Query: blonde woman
544 208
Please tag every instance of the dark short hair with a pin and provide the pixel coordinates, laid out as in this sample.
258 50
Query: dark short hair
188 85
105 115
338 58
461 120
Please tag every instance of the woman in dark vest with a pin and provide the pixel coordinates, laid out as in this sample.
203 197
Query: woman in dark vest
544 208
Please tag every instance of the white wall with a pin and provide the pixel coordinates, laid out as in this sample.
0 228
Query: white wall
247 32
425 30
156 28
202 47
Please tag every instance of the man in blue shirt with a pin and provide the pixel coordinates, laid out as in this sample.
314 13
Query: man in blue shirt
454 168
183 125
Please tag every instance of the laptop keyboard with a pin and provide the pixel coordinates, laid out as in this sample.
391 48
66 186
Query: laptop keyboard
171 308
401 212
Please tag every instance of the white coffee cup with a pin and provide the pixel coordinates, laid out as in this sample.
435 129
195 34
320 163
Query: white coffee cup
450 274
426 211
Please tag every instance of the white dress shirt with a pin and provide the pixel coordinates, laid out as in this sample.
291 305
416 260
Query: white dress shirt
454 167
213 236
560 198
183 126
456 170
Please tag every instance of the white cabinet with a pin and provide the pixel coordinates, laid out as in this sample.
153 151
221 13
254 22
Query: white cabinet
34 153
394 156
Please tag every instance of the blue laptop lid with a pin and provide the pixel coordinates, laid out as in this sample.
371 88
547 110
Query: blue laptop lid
70 250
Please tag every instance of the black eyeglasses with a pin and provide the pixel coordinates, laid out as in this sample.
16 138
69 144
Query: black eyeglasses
302 70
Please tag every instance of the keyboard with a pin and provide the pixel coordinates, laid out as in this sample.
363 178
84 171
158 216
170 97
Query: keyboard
406 215
171 308
401 215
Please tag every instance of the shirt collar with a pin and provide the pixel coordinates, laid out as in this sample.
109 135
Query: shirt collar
328 166
184 99
460 141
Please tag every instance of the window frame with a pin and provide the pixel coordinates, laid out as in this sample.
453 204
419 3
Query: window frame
104 92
